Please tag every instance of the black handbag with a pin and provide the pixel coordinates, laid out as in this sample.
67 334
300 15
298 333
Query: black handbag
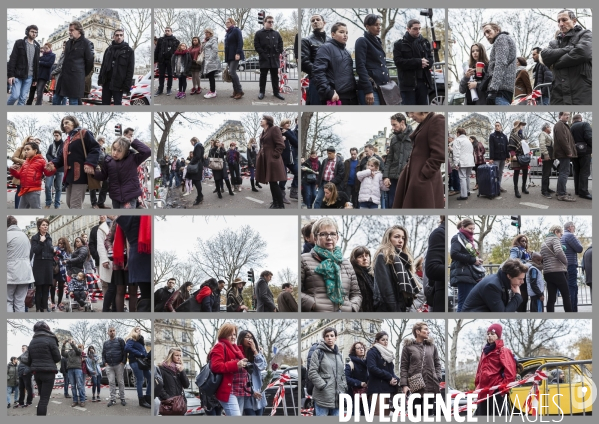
193 168
581 148
143 363
207 381
311 178
523 160
388 93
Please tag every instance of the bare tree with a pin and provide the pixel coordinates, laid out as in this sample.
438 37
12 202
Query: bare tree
164 122
437 330
350 226
165 264
136 23
192 23
465 26
527 30
532 337
28 125
82 331
399 331
287 275
166 18
484 225
25 326
453 350
320 132
251 122
242 16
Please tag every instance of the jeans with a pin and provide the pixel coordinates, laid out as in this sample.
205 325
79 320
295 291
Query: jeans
25 386
233 407
309 194
319 411
252 412
182 78
582 172
274 79
14 390
319 196
57 100
418 96
368 205
546 173
56 182
557 281
464 290
545 101
116 372
96 379
573 286
174 174
139 379
391 193
15 297
108 94
362 98
20 91
465 180
164 68
502 100
563 170
455 178
77 384
65 379
313 98
234 77
45 383
41 84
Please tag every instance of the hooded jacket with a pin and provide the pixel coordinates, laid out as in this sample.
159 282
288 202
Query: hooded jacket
421 358
492 294
492 365
310 46
502 64
18 65
332 71
371 186
31 173
408 53
400 149
328 376
43 351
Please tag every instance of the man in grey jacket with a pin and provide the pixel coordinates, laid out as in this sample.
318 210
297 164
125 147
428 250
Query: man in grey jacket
502 65
265 301
76 378
18 266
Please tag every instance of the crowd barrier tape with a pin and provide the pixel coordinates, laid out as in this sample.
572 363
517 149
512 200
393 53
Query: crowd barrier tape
196 409
280 392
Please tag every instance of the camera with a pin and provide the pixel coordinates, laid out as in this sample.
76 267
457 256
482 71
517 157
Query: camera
426 12
249 368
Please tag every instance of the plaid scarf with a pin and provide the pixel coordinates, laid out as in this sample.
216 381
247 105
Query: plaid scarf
330 271
404 278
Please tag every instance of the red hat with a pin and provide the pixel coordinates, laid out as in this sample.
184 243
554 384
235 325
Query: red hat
495 328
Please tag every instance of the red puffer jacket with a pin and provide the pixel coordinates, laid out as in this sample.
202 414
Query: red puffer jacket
31 173
223 360
492 365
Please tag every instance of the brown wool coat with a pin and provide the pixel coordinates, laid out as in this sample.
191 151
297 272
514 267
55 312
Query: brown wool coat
269 164
420 185
523 85
411 364
563 141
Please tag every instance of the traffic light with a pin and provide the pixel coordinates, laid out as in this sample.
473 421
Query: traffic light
436 45
251 277
517 222
118 129
261 16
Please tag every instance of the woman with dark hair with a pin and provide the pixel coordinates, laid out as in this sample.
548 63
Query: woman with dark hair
180 63
516 150
309 173
233 160
93 361
464 257
204 295
269 164
178 297
135 348
471 81
371 297
217 150
519 250
62 252
76 263
43 356
80 156
42 253
381 374
174 378
371 63
18 158
522 85
252 155
235 298
195 178
356 370
479 156
196 69
254 404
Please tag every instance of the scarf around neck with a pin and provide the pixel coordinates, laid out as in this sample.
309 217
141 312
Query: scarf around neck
330 270
388 355
469 236
170 366
489 347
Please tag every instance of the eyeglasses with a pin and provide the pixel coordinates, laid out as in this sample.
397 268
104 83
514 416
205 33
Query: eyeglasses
359 348
248 337
327 235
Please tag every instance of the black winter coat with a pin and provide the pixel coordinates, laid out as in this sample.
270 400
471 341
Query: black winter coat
53 151
434 263
160 297
498 146
76 262
408 53
93 244
310 46
46 61
252 154
400 149
18 65
74 172
219 153
172 383
43 259
357 376
492 294
78 62
216 301
198 157
339 171
185 62
332 71
23 369
289 154
165 47
569 56
583 133
233 45
113 352
542 75
117 68
269 45
371 62
380 373
43 352
461 263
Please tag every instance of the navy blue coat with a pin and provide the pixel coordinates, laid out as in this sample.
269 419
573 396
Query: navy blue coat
380 373
333 71
289 155
45 65
370 62
74 173
356 377
233 44
139 264
135 349
491 294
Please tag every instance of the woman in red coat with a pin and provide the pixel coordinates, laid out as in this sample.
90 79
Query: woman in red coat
227 358
420 185
269 164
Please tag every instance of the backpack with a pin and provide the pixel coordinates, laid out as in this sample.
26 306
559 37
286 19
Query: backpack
515 362
309 383
208 383
84 369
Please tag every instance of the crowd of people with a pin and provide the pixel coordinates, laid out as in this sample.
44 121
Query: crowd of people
562 70
209 295
201 57
33 69
78 367
267 161
372 370
114 174
117 252
390 280
525 278
570 144
410 167
330 67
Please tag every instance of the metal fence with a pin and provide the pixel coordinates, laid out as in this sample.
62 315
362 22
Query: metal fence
249 69
579 380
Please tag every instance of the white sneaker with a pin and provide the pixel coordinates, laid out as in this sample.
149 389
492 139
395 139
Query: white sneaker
186 194
239 188
210 95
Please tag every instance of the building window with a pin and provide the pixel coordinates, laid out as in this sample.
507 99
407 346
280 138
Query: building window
166 334
184 337
356 325
373 328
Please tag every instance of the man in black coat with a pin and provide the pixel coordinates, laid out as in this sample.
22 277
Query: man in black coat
77 63
434 265
265 301
498 292
216 296
165 48
114 358
269 45
163 294
65 376
24 373
196 161
583 139
117 69
542 75
22 66
413 57
498 152
310 46
332 170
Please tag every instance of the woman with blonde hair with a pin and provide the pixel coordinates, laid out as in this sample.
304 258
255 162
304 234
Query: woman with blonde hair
135 349
19 158
212 63
393 271
228 359
334 199
174 379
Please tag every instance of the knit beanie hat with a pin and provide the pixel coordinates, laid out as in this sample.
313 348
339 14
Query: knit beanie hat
495 328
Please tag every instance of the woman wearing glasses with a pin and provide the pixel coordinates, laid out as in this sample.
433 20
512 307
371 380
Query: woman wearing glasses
254 404
329 283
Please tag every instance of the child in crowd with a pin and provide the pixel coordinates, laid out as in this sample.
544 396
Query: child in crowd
78 288
535 284
371 184
30 173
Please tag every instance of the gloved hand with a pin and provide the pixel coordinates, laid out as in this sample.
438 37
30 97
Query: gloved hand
491 95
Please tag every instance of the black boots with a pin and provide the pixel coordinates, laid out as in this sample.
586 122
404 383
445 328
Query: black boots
253 186
228 182
258 184
516 192
143 403
524 185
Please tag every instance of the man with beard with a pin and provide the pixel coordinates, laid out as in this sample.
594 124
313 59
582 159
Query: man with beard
23 66
165 48
541 74
117 68
413 57
310 46
502 65
400 149
564 150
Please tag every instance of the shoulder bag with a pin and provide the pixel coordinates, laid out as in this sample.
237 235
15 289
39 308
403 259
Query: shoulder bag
193 168
227 76
216 164
388 93
30 298
416 382
92 183
143 363
175 405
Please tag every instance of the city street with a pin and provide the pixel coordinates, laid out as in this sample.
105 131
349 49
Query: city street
507 200
10 199
60 406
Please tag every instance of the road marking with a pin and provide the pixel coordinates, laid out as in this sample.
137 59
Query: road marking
80 408
56 402
254 200
534 205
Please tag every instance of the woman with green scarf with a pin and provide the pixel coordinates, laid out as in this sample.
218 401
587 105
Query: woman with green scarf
329 283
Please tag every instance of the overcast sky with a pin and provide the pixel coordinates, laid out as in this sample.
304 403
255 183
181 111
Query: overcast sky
178 234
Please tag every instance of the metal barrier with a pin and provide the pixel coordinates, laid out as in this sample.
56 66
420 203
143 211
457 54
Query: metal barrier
585 381
249 69
291 393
